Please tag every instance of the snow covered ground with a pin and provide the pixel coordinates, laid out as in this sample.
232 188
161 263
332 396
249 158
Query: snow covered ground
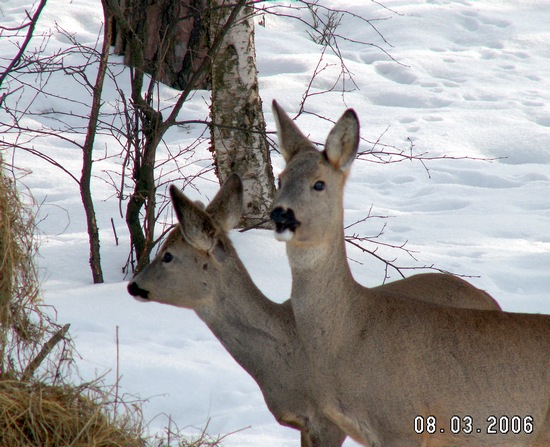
468 78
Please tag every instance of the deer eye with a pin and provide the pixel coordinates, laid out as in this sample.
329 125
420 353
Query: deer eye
319 185
167 257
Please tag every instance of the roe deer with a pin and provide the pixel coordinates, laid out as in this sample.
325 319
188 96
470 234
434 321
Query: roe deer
390 371
198 268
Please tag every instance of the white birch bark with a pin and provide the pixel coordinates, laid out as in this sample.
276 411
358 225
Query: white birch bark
238 133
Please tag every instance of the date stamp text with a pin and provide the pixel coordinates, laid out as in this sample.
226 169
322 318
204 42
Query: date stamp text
465 425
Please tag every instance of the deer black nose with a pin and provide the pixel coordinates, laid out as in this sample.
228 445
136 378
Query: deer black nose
278 215
137 291
284 219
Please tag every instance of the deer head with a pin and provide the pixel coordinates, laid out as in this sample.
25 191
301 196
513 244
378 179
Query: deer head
198 246
310 207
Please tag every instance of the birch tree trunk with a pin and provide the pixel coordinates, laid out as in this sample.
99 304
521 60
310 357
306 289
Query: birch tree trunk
238 136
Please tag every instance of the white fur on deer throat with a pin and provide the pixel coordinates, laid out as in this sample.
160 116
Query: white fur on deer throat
284 236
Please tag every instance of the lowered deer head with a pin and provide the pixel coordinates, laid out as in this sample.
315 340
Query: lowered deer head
198 268
383 362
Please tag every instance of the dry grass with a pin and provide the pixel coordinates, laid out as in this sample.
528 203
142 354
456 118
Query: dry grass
24 326
89 415
52 416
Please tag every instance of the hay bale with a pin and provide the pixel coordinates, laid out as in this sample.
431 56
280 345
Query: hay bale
39 415
45 412
18 278
23 326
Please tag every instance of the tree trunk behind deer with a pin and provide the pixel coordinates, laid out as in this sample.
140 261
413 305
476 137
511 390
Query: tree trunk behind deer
175 38
238 137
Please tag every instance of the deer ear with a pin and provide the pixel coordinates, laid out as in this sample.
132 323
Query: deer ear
196 225
343 141
227 207
291 139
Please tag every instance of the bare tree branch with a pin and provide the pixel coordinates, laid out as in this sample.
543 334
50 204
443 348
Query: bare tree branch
30 25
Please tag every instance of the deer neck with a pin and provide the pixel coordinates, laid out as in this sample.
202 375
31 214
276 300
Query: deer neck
312 262
320 276
252 328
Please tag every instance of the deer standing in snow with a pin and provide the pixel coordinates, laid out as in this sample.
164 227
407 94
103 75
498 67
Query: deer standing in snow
198 268
392 371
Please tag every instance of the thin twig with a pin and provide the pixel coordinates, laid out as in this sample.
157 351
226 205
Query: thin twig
15 61
46 349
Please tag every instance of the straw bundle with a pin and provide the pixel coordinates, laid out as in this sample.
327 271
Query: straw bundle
24 327
52 416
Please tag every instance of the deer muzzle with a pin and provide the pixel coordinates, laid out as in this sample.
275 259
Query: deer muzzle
285 223
137 292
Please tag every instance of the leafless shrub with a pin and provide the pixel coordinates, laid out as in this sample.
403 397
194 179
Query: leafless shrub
324 24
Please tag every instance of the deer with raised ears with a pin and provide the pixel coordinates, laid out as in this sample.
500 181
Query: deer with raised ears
198 268
392 371
321 228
